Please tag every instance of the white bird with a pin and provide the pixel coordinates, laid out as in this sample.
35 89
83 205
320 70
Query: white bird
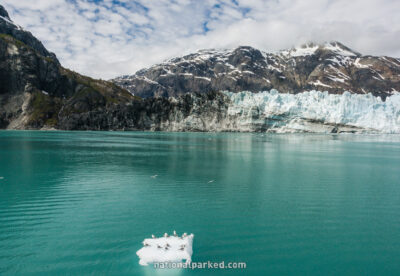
152 236
145 244
211 181
175 235
184 235
154 176
165 235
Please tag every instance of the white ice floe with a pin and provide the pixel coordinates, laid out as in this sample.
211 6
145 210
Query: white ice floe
166 249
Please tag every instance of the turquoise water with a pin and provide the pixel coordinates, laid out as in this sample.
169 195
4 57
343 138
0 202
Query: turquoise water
79 203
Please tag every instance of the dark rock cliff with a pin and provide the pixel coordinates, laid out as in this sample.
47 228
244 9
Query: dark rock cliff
36 91
190 112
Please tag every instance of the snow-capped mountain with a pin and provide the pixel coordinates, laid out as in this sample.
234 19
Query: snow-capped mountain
36 92
330 67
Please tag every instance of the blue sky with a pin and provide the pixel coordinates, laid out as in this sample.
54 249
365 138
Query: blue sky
107 38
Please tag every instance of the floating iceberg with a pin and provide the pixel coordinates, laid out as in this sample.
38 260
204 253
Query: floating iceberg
166 249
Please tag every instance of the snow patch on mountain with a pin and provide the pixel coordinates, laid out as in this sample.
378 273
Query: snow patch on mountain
301 51
337 48
319 83
6 19
9 21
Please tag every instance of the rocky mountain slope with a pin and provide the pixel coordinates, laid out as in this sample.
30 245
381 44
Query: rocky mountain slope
330 67
8 27
36 91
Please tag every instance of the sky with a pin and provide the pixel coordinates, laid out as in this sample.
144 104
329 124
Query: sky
109 38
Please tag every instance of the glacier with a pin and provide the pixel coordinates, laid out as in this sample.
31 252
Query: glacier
314 111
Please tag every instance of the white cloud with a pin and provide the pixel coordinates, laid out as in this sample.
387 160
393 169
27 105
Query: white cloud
109 38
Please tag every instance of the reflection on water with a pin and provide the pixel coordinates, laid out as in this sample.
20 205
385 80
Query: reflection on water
82 202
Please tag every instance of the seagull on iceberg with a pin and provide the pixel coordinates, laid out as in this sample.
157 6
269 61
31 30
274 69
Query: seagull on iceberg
165 235
184 235
153 236
175 235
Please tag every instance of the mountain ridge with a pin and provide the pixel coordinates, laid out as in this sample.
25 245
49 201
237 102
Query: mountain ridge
329 66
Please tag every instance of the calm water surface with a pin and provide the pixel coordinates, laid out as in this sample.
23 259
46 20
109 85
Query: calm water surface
80 203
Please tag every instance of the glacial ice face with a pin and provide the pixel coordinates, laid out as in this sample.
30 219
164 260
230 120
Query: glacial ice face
314 111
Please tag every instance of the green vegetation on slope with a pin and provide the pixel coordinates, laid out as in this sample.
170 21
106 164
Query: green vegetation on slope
44 109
